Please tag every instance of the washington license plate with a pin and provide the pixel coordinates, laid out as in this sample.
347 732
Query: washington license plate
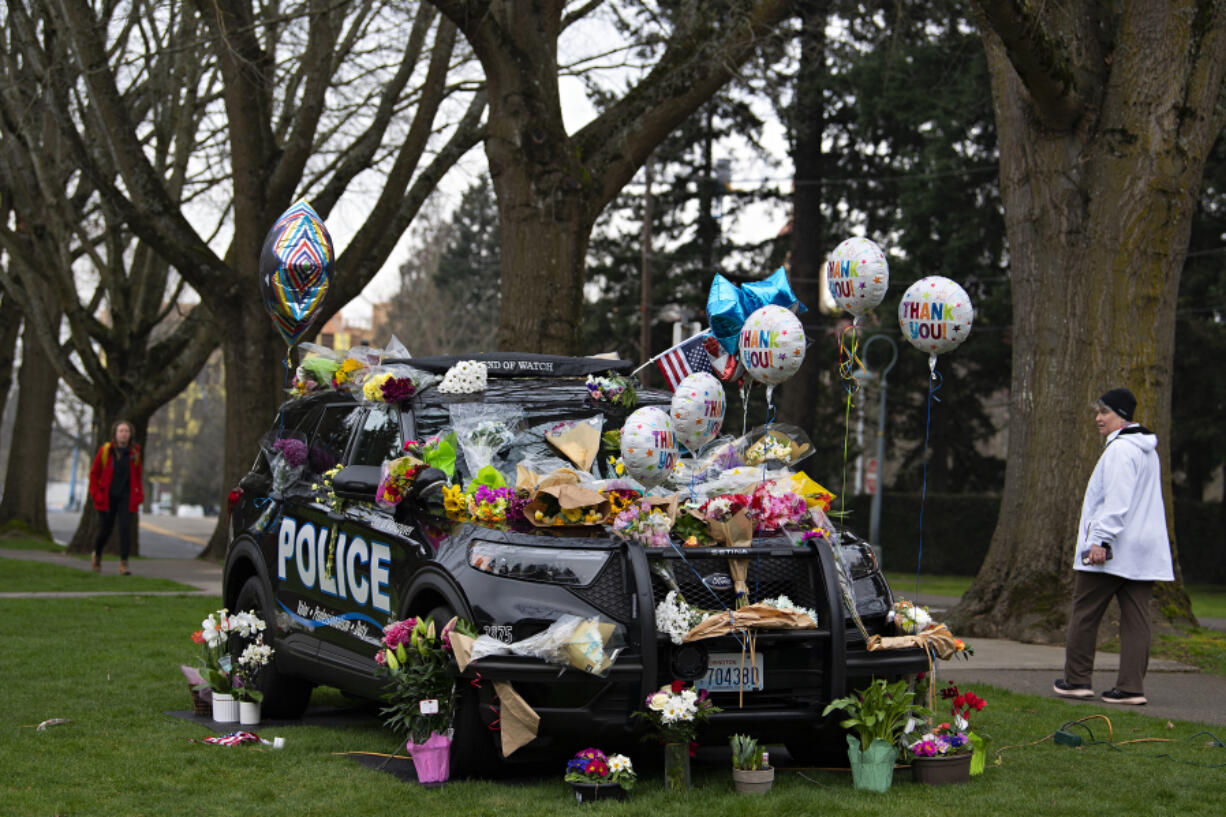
732 672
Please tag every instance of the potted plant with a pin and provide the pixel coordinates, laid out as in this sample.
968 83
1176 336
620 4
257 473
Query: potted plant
675 713
750 774
593 776
215 663
946 753
254 657
420 696
879 715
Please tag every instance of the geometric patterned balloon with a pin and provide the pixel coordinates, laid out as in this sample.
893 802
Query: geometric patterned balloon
857 275
295 267
935 315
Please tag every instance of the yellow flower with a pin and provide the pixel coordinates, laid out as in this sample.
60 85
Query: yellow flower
373 390
454 500
572 514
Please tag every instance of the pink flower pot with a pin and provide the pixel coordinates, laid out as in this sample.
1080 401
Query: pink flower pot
431 759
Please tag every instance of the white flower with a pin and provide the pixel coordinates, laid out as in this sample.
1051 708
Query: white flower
910 727
620 763
657 702
256 655
465 377
246 624
961 722
216 630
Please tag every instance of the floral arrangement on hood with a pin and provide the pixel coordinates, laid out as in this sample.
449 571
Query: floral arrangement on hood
643 523
348 373
616 390
594 766
772 507
465 377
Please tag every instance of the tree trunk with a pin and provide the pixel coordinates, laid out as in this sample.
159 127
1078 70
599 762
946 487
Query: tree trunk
255 378
797 399
87 527
10 327
1098 216
24 504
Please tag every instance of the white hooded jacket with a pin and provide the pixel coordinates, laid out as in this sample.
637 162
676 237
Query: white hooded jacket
1123 508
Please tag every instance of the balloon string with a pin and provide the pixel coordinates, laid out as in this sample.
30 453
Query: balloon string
849 358
846 440
934 384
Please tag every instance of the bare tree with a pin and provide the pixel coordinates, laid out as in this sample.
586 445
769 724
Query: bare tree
314 100
551 184
1106 113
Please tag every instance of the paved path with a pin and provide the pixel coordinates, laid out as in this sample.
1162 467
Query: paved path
1175 691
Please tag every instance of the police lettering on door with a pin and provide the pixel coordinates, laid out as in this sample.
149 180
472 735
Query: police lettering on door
360 570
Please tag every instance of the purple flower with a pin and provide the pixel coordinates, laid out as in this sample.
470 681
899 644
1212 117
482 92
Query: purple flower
321 461
294 451
398 389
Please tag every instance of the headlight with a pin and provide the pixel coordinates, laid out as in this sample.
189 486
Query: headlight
858 556
553 565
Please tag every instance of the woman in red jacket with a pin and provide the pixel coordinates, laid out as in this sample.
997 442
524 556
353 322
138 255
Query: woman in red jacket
115 489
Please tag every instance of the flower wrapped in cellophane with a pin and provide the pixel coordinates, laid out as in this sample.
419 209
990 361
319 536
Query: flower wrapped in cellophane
396 477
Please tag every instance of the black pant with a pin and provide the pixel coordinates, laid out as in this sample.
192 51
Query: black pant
106 519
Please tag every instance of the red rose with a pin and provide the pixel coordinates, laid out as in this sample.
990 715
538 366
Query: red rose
677 686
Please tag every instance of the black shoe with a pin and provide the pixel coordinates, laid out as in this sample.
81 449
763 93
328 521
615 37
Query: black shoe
1115 696
1062 687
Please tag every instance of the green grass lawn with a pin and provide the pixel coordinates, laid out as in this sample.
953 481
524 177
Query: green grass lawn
110 666
17 540
19 575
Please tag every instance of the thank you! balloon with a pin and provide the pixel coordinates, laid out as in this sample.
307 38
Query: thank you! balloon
935 315
772 345
697 410
857 275
649 448
295 265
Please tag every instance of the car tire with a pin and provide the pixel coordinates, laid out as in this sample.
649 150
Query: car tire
473 749
284 696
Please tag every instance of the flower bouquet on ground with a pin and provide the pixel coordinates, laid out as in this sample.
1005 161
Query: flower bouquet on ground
591 770
415 660
255 657
945 740
674 713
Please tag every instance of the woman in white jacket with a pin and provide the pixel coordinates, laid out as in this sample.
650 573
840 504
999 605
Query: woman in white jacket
1122 549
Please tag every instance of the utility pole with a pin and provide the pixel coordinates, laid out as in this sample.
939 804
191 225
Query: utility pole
645 299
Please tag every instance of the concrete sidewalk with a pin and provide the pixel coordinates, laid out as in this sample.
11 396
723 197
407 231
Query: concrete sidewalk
1175 691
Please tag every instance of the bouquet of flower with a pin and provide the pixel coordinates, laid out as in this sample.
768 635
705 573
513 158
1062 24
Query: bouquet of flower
348 373
691 527
313 374
941 741
415 659
465 377
594 766
616 390
772 507
255 657
439 452
490 506
287 463
910 619
644 523
675 617
396 477
784 603
766 449
675 712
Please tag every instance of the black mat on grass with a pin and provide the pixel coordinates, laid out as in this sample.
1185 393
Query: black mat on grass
314 716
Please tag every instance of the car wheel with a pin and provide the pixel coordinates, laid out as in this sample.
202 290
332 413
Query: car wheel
284 696
473 750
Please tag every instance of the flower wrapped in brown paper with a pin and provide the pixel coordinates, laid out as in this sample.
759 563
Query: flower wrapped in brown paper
560 502
937 639
750 617
577 440
734 532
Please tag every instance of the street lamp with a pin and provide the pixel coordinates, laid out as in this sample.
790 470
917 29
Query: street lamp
874 523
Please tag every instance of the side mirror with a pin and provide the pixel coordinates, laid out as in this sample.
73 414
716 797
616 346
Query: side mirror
427 482
357 482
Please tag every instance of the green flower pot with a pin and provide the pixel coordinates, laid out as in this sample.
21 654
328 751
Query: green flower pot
873 768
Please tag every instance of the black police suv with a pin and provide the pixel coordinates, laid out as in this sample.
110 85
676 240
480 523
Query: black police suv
328 575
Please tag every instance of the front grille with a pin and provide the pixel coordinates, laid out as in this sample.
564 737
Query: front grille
608 593
768 577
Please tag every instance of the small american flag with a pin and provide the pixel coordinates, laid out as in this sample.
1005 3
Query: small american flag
684 359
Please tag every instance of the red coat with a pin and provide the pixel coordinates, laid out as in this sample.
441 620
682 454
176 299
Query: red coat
102 472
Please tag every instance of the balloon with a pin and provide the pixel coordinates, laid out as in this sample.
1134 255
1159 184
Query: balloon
649 448
772 345
935 315
858 275
726 311
697 410
295 265
774 289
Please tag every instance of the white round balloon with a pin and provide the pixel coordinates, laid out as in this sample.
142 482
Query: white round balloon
649 448
772 345
935 315
857 275
697 410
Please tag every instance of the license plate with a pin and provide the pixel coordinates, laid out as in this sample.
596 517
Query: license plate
725 673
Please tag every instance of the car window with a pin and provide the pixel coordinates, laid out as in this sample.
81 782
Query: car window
379 440
332 436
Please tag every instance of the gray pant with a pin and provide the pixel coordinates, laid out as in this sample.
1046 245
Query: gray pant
1092 592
